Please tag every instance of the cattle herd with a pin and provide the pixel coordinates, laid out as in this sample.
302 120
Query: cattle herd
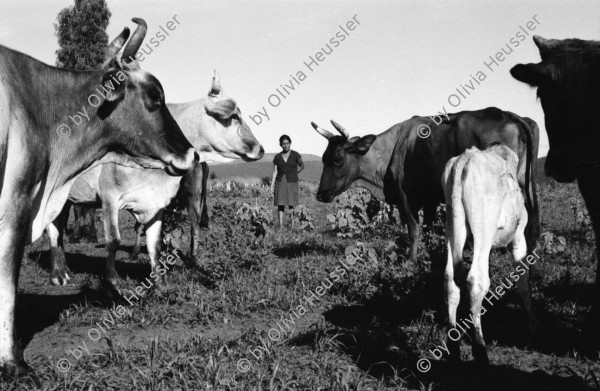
136 153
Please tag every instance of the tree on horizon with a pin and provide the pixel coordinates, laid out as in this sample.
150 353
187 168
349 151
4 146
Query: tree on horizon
81 33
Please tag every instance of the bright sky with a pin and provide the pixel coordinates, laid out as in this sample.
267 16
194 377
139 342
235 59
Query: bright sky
405 58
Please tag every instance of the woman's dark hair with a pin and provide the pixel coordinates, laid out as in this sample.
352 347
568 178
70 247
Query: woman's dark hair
285 137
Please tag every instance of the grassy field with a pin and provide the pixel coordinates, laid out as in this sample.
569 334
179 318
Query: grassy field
234 322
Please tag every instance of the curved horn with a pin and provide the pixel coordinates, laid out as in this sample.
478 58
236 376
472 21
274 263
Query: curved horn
136 40
545 44
116 45
322 131
340 129
215 89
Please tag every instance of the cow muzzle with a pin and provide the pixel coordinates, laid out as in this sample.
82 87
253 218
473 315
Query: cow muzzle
560 166
256 154
322 197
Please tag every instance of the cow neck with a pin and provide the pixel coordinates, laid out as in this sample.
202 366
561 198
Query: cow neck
61 95
379 157
71 154
189 117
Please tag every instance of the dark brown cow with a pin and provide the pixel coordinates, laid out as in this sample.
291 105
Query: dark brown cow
568 85
40 157
404 169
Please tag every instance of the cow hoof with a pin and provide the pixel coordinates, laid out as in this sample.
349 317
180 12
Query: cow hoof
189 260
60 277
25 374
480 356
111 291
19 368
161 283
110 285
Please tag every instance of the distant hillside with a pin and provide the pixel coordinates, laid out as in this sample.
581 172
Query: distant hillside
312 170
264 167
268 157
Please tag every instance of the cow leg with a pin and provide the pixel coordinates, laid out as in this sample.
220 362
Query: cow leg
414 233
456 236
519 252
76 231
138 240
190 256
409 214
14 222
194 209
59 274
478 284
153 241
588 180
93 233
429 214
112 236
195 190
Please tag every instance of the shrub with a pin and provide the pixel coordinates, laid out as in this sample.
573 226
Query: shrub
259 218
303 218
357 211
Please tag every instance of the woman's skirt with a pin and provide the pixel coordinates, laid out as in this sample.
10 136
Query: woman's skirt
286 193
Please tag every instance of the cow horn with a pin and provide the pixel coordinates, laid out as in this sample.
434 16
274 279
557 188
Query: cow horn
136 40
340 129
215 89
322 131
116 44
545 44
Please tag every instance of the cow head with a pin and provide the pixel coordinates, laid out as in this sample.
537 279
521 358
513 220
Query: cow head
568 83
341 161
222 128
134 116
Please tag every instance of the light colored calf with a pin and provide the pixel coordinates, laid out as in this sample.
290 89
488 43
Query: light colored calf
483 198
212 124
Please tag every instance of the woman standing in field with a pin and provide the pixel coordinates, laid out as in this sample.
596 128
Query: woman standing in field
286 166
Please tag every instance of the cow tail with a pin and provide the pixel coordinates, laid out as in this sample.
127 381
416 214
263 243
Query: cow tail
532 230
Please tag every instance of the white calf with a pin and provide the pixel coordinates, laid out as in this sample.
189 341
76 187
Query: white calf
483 198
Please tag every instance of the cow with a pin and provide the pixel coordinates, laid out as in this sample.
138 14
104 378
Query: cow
568 86
40 155
483 199
214 126
403 165
80 214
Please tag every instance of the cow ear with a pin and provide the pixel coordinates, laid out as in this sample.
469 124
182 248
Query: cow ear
362 145
532 74
113 83
220 109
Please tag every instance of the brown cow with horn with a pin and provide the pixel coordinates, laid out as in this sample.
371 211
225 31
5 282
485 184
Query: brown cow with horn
403 168
40 156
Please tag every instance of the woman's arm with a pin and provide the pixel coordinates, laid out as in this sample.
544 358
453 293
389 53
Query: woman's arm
300 164
273 177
